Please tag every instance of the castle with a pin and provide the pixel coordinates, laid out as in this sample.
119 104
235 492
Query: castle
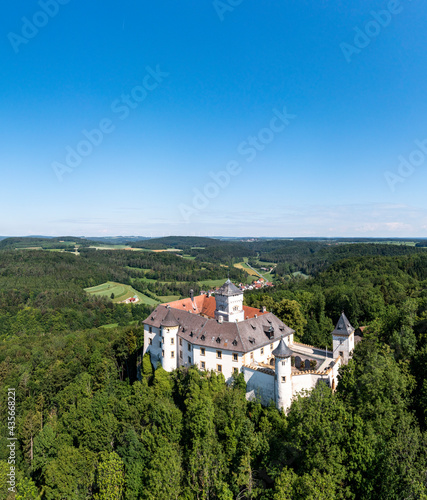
219 333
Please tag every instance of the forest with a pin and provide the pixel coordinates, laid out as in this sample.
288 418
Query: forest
95 420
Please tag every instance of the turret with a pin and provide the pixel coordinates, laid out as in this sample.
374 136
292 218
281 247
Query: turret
169 333
282 379
343 339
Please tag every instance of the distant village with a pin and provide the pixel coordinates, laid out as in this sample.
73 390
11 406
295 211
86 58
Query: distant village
259 283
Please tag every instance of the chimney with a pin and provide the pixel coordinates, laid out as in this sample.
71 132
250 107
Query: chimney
264 309
256 316
220 319
192 295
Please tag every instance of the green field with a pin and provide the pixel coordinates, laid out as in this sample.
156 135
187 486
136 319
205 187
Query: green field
212 283
109 247
121 293
168 298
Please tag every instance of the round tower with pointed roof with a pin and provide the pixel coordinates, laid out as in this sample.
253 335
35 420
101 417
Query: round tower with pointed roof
282 379
169 332
229 303
343 339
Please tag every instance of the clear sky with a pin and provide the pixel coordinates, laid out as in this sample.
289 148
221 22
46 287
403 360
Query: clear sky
233 117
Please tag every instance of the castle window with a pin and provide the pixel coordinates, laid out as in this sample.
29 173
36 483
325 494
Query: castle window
202 365
271 347
283 379
202 351
189 346
180 341
160 343
150 329
151 341
235 370
163 340
342 354
219 368
235 357
163 354
172 354
189 359
180 354
219 354
262 350
252 355
172 340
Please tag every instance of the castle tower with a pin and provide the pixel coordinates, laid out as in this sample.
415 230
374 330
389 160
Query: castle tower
229 303
343 339
169 333
282 379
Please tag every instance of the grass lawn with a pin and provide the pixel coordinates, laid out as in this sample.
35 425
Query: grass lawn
168 298
212 283
111 325
121 292
147 300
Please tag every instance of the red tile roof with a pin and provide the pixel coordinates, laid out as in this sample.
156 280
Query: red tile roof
204 305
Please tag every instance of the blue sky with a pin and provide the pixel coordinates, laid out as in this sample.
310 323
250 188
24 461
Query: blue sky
314 107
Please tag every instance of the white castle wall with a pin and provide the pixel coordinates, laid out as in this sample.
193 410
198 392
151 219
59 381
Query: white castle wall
163 346
262 354
211 360
170 348
344 345
155 348
306 382
259 385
